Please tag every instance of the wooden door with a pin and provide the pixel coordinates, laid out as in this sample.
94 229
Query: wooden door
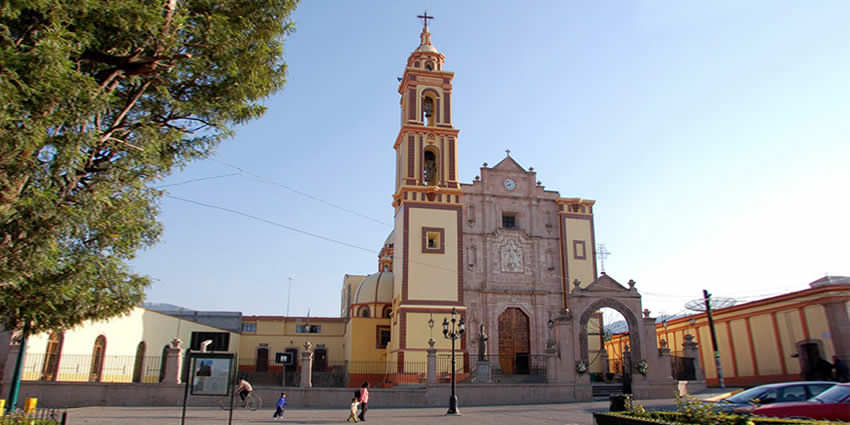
513 339
320 360
262 359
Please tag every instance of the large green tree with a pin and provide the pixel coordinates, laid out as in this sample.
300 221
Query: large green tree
98 100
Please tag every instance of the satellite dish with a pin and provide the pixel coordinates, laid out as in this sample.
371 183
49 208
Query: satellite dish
698 304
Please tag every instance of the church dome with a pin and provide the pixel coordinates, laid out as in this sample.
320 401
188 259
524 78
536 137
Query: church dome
427 48
376 288
390 240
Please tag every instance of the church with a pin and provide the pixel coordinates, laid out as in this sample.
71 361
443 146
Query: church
501 251
513 262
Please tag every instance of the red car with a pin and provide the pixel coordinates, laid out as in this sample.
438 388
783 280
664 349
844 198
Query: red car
832 405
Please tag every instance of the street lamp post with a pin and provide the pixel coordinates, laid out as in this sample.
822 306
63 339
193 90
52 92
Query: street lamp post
453 332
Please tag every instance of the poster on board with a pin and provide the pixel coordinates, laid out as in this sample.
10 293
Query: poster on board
211 373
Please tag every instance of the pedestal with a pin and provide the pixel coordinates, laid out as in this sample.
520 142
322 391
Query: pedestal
483 373
173 363
432 365
307 369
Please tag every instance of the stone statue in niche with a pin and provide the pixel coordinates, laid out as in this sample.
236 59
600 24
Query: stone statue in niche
482 342
511 254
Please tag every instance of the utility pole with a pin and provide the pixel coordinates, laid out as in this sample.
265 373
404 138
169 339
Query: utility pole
707 297
15 386
288 296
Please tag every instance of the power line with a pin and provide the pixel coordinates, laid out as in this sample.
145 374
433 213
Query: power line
274 223
303 232
266 180
197 180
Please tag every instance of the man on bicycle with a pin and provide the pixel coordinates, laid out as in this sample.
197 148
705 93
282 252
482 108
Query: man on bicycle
244 389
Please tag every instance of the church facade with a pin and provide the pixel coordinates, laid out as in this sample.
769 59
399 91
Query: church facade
502 251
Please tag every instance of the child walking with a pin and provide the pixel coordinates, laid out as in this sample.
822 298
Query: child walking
281 405
352 415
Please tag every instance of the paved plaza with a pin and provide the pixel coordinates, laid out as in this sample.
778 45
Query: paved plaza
563 414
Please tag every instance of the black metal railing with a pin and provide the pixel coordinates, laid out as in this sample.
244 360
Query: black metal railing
78 368
518 364
683 367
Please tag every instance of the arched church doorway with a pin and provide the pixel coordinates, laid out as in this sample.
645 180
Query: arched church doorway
609 365
514 343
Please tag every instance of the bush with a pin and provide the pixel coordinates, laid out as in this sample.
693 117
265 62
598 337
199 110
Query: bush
692 411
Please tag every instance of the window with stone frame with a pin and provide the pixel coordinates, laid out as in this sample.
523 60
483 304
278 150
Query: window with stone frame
383 336
509 221
433 240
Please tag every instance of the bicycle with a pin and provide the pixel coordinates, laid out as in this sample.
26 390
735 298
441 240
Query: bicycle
252 402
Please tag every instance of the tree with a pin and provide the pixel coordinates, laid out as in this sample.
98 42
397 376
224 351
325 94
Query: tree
98 100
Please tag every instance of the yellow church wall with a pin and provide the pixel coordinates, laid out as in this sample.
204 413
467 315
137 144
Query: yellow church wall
764 344
788 334
595 343
398 256
579 230
438 270
741 344
417 331
123 335
707 352
819 328
363 344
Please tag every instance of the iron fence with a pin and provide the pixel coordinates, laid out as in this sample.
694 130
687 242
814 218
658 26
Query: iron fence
518 364
683 367
347 374
78 368
383 374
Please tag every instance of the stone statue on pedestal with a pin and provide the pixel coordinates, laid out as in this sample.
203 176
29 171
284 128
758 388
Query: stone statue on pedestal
482 342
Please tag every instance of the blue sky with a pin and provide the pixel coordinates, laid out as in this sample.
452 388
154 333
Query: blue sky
713 136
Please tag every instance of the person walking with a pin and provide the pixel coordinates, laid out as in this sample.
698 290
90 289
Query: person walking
280 407
364 400
352 413
841 372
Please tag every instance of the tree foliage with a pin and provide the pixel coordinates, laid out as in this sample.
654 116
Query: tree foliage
98 100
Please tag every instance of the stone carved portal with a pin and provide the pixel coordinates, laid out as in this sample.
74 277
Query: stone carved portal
631 321
511 254
514 341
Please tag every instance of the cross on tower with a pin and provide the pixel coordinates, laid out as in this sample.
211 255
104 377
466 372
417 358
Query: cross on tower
508 152
424 17
602 253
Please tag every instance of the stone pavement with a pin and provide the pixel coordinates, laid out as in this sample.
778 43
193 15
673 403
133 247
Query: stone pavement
562 414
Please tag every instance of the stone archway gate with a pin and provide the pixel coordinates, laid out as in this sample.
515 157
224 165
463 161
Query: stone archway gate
571 344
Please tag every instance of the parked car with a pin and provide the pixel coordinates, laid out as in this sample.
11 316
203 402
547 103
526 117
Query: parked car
773 393
832 405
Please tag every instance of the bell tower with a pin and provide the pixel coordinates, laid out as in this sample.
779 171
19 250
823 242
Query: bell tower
427 273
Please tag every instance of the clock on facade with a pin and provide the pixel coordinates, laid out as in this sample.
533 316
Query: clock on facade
510 184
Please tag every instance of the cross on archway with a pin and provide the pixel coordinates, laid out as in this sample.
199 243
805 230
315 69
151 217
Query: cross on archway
424 17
